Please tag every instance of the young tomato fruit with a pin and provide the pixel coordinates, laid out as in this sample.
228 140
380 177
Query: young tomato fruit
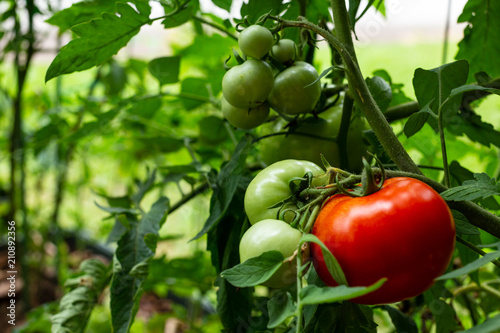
294 91
270 187
248 85
298 146
272 235
244 118
285 51
255 41
404 232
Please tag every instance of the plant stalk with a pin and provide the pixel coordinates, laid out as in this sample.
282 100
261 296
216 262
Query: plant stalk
363 98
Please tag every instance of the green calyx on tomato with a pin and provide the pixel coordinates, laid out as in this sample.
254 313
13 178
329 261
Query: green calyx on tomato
248 85
404 232
271 186
296 89
272 235
244 118
255 41
313 137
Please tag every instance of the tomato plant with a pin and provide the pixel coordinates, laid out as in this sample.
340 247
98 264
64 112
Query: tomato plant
296 89
405 232
244 118
270 187
272 235
249 84
175 211
313 137
255 41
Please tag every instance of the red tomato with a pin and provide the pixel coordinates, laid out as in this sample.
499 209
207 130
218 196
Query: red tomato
404 232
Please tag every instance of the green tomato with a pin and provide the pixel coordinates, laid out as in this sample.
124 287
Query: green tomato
296 146
294 91
284 51
272 235
255 41
244 118
270 187
248 85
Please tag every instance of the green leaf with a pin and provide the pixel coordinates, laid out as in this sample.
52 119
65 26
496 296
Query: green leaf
280 307
445 316
81 12
224 4
234 305
345 317
165 69
471 125
459 174
76 305
313 294
417 120
98 40
195 92
180 17
212 129
331 263
402 322
132 255
117 210
434 86
381 91
255 8
164 144
481 36
254 271
490 325
143 187
471 267
463 225
482 187
227 182
145 108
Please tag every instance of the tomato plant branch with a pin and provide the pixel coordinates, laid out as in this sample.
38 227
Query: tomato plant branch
215 26
401 111
363 98
344 131
191 195
443 143
476 249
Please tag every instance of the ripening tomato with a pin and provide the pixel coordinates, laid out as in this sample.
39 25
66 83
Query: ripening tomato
270 187
298 145
404 232
285 51
295 89
255 41
272 235
249 84
244 118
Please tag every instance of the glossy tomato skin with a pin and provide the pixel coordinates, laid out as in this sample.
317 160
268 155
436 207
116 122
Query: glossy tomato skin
272 235
249 84
294 91
297 146
405 232
244 118
255 41
270 186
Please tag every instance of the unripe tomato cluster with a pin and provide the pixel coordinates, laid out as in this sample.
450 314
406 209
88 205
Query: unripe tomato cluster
249 89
